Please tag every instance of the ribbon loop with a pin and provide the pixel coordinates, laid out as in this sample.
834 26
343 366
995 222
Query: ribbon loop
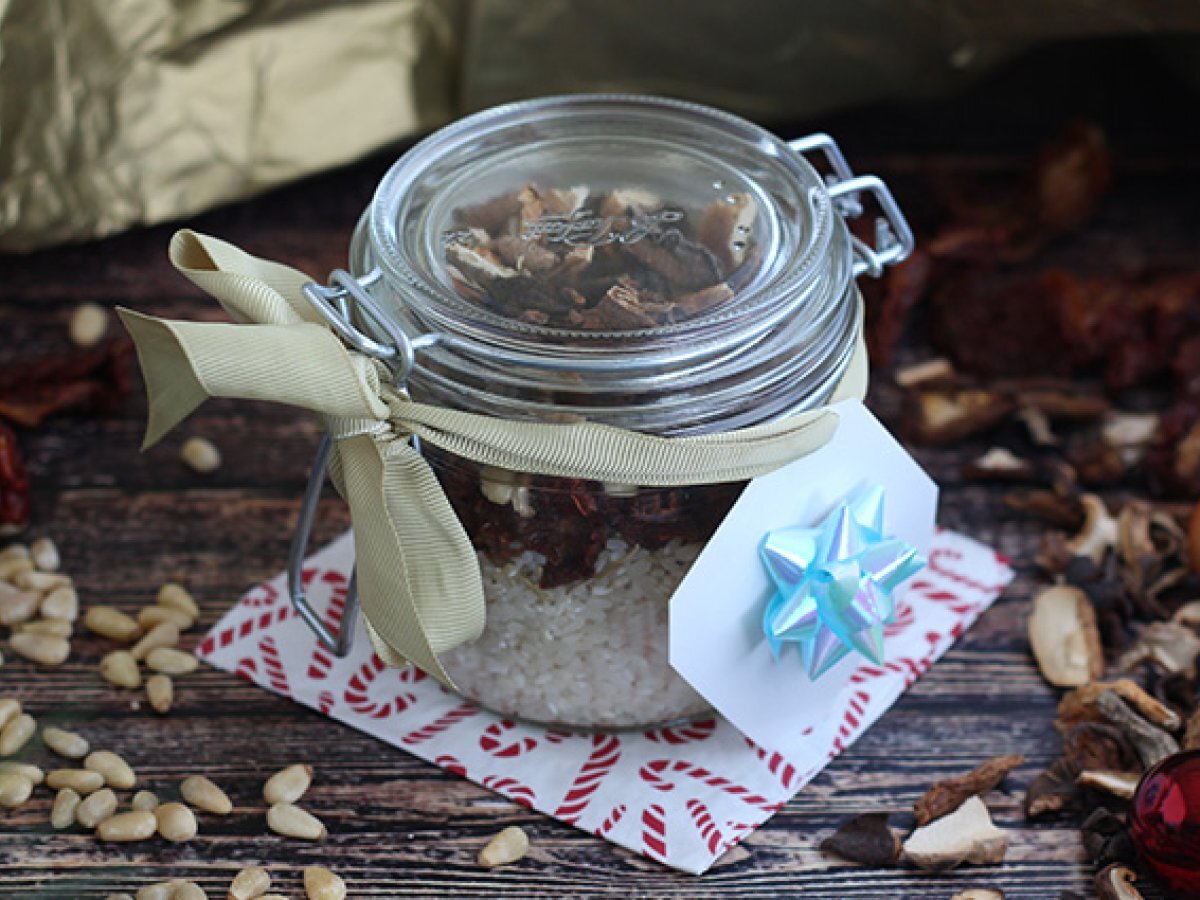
418 576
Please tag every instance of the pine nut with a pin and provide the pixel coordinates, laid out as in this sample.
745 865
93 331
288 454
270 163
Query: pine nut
95 809
87 325
10 708
16 734
250 883
83 780
41 581
66 804
149 616
160 690
128 826
15 788
31 772
53 627
19 607
121 669
176 596
110 622
170 661
321 884
273 897
164 634
288 785
65 743
292 821
44 555
145 800
13 566
188 890
61 603
175 822
116 772
160 891
201 455
203 794
14 551
506 847
45 649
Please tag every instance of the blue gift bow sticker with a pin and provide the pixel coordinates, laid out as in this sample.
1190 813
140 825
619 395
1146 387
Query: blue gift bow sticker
834 583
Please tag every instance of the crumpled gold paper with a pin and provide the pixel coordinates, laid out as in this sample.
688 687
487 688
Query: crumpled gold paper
118 112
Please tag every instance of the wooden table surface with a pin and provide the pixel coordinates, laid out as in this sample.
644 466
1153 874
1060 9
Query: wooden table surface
400 827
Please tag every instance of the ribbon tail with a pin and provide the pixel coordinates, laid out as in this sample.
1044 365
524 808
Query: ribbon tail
418 577
184 363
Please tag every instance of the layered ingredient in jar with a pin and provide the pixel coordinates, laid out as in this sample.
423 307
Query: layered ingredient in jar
577 576
600 260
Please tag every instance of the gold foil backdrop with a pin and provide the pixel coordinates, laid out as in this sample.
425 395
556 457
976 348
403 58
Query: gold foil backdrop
120 112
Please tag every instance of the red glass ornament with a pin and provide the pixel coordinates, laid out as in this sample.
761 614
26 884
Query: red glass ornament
1165 822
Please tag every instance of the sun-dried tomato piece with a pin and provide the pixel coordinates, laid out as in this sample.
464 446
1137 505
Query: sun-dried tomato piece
16 497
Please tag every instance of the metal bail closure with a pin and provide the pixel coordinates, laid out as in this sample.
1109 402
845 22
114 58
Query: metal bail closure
893 237
340 304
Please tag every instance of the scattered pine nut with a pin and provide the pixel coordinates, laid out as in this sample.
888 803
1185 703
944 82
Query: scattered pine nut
15 788
66 804
175 596
65 743
110 622
188 890
116 772
10 708
164 634
288 785
169 661
14 551
203 794
292 821
149 616
506 847
12 567
321 884
145 800
30 771
53 627
83 780
200 455
121 669
61 603
175 822
41 581
128 826
45 649
97 808
16 734
160 691
87 325
272 897
19 607
250 883
44 555
160 891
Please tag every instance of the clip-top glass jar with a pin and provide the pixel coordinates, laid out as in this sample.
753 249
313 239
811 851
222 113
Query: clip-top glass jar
634 261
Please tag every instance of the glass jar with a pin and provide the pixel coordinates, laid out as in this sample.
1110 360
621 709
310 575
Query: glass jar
634 261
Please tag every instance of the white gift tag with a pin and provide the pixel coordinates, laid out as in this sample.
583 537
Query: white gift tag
717 641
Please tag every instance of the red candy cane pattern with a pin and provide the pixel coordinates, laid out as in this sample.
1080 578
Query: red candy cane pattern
512 789
606 752
652 773
692 732
441 724
654 832
246 669
225 637
326 701
611 820
498 740
358 692
322 660
273 666
777 764
709 833
452 765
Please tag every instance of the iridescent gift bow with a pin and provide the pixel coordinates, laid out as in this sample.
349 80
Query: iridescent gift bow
834 583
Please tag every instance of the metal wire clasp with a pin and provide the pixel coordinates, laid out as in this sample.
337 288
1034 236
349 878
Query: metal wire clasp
339 304
893 236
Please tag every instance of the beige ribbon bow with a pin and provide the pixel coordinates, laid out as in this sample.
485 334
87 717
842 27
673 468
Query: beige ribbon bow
418 575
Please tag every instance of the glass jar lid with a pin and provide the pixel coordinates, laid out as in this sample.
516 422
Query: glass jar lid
635 260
